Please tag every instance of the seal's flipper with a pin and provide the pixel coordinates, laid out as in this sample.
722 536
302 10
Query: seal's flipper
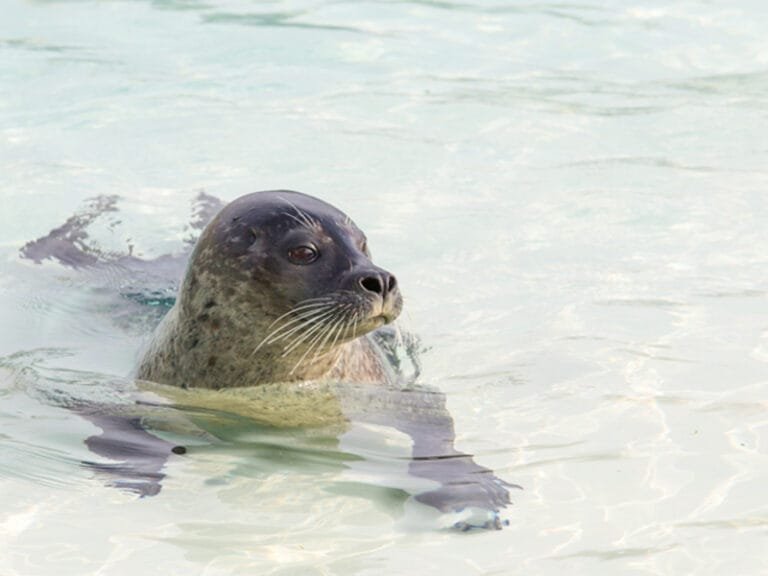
138 457
149 282
71 245
421 413
464 484
67 243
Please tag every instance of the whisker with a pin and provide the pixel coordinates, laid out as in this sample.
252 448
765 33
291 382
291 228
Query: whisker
307 315
302 337
307 220
311 345
302 316
319 352
295 219
305 320
304 304
335 338
354 328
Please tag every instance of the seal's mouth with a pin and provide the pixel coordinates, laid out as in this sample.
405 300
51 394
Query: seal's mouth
383 313
376 319
381 320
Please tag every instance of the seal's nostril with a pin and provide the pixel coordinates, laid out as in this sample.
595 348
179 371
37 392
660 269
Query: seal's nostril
372 284
392 283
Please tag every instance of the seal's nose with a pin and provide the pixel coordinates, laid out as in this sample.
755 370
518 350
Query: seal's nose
379 282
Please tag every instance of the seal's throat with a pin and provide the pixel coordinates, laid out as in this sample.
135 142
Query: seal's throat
194 354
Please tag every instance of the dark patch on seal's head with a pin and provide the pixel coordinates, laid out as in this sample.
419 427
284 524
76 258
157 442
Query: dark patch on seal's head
297 263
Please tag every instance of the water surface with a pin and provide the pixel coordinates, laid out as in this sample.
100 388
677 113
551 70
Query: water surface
573 197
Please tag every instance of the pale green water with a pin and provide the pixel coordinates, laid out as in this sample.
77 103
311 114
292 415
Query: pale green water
573 197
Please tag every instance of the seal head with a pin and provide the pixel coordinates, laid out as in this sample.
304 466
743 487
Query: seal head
280 287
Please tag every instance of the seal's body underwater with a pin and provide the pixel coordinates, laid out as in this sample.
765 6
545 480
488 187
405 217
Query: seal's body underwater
274 322
279 288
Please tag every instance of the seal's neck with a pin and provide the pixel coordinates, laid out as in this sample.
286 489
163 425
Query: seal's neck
211 351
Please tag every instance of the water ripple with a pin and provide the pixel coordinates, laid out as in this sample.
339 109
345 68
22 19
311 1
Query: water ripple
278 20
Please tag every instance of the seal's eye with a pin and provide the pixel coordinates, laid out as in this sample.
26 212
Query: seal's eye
303 254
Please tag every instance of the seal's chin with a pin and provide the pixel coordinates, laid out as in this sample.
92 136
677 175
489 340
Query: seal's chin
376 320
371 323
387 317
382 315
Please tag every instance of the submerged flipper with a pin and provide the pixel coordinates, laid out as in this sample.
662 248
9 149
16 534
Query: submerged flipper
150 283
420 412
68 243
137 456
71 245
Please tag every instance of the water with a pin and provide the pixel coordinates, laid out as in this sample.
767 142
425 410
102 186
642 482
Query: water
571 194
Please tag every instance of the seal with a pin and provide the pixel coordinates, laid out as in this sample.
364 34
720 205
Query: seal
279 288
280 320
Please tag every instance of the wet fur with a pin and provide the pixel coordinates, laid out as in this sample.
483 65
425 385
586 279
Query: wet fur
235 324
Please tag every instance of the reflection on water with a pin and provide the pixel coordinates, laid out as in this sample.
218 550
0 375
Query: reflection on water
572 196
